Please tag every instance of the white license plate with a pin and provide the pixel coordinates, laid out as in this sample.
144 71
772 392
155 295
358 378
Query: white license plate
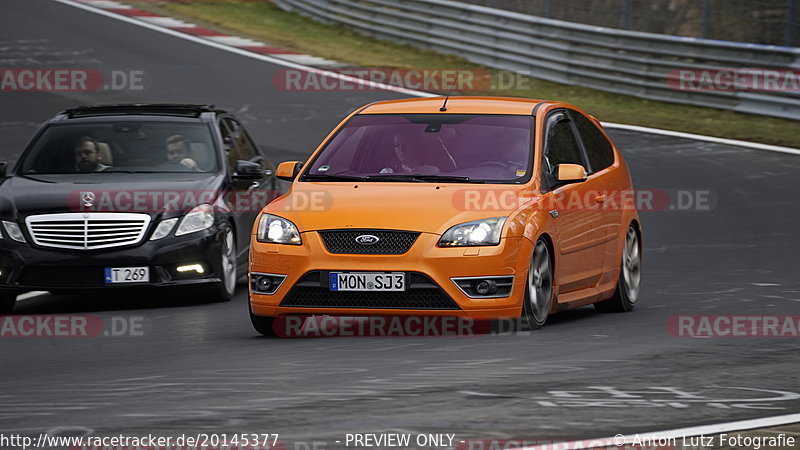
367 281
116 275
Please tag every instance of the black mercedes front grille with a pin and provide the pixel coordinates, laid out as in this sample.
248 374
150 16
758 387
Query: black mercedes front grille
312 291
62 276
390 242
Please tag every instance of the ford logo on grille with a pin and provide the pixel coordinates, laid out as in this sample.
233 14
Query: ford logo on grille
367 239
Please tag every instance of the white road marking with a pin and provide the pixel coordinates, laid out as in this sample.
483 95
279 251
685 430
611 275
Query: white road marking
700 137
236 41
308 59
168 22
679 433
106 4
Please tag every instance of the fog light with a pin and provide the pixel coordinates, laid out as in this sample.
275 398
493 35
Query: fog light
191 268
486 287
264 284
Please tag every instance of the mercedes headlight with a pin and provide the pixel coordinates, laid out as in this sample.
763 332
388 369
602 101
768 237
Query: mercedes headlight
277 230
163 229
475 233
200 218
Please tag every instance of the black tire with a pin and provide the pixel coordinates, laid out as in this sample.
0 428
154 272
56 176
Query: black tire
7 302
265 326
629 280
538 288
226 289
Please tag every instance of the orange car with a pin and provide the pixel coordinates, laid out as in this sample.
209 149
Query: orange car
474 207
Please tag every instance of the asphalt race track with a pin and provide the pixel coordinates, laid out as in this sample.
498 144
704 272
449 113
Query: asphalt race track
200 367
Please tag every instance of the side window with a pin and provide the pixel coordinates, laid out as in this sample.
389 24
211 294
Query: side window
598 149
561 146
227 139
240 145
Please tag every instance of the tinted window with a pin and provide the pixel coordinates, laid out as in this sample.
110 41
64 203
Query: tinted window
562 148
480 147
598 149
133 146
240 145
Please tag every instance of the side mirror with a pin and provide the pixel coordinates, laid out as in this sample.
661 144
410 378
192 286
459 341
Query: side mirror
3 167
570 173
288 170
247 170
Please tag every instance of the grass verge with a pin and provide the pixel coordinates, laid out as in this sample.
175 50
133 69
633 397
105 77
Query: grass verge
266 22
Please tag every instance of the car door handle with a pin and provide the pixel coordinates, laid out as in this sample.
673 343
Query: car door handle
600 198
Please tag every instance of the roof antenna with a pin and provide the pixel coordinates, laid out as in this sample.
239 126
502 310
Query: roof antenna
444 105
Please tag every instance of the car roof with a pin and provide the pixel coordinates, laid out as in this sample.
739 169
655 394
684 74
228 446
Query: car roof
162 110
455 105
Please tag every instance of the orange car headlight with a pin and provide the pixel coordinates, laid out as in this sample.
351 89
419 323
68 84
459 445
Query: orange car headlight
277 230
476 233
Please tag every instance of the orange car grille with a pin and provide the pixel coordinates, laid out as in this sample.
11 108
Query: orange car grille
389 242
421 293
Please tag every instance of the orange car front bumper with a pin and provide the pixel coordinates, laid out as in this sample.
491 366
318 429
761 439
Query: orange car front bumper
510 257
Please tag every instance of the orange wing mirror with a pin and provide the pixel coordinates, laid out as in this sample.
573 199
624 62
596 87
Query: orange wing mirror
571 173
288 170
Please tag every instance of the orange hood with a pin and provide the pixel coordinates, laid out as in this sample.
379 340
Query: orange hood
423 207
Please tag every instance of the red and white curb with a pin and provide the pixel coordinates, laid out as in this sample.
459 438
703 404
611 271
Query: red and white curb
211 35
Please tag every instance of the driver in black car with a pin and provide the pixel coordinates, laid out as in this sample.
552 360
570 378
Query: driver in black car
87 156
179 151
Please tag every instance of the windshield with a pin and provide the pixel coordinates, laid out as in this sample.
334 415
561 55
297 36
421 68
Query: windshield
428 147
129 147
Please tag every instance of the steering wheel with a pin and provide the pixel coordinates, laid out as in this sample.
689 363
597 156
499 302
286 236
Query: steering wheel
171 166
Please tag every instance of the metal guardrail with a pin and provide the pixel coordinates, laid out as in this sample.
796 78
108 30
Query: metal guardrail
620 61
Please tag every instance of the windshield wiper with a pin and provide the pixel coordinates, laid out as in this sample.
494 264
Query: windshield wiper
331 177
425 178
